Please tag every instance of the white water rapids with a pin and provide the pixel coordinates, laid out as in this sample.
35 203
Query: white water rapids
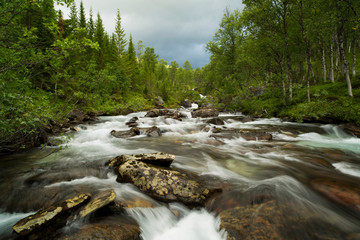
281 166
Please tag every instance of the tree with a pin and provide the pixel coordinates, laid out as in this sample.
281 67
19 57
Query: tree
120 35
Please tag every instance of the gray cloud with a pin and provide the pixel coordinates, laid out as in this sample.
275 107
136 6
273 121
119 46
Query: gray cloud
178 30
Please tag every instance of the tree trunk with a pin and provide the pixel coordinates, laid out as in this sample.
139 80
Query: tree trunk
308 52
354 58
323 61
288 58
332 79
343 58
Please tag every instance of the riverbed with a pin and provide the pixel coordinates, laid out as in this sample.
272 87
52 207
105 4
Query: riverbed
280 175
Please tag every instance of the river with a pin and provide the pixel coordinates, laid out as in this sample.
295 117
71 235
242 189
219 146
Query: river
280 169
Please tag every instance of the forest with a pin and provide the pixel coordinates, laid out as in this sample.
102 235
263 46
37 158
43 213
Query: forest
295 59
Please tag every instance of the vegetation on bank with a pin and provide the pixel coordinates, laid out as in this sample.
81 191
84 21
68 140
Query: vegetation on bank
294 59
50 65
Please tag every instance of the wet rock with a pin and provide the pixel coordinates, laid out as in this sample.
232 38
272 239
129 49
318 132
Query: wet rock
186 103
133 122
273 220
216 121
46 221
111 231
76 116
352 129
75 129
126 134
98 201
157 159
153 132
345 194
249 135
54 176
168 113
162 184
205 113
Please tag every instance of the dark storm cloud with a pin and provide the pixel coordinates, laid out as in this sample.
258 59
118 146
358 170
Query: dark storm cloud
178 30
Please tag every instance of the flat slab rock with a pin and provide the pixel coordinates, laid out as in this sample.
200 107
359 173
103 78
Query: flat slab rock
98 201
47 219
158 159
162 184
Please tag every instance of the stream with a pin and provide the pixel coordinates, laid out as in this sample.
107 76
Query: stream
252 174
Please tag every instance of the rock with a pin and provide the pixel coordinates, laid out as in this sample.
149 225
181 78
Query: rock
157 159
168 113
126 134
162 184
351 128
75 129
153 132
345 194
46 221
273 220
76 116
159 102
100 200
216 121
111 231
186 103
205 113
248 135
133 122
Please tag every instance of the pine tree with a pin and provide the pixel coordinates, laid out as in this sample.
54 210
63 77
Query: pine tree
132 68
120 35
82 18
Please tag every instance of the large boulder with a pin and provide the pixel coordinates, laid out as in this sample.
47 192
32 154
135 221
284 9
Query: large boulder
205 113
43 223
158 159
163 184
345 194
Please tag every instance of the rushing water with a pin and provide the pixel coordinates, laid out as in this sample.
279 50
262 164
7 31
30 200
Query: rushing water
282 168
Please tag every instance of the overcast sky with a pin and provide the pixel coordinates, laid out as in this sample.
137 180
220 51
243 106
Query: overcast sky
178 30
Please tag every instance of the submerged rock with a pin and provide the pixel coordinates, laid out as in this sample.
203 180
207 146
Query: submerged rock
162 184
345 194
352 129
44 222
274 220
109 231
248 135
